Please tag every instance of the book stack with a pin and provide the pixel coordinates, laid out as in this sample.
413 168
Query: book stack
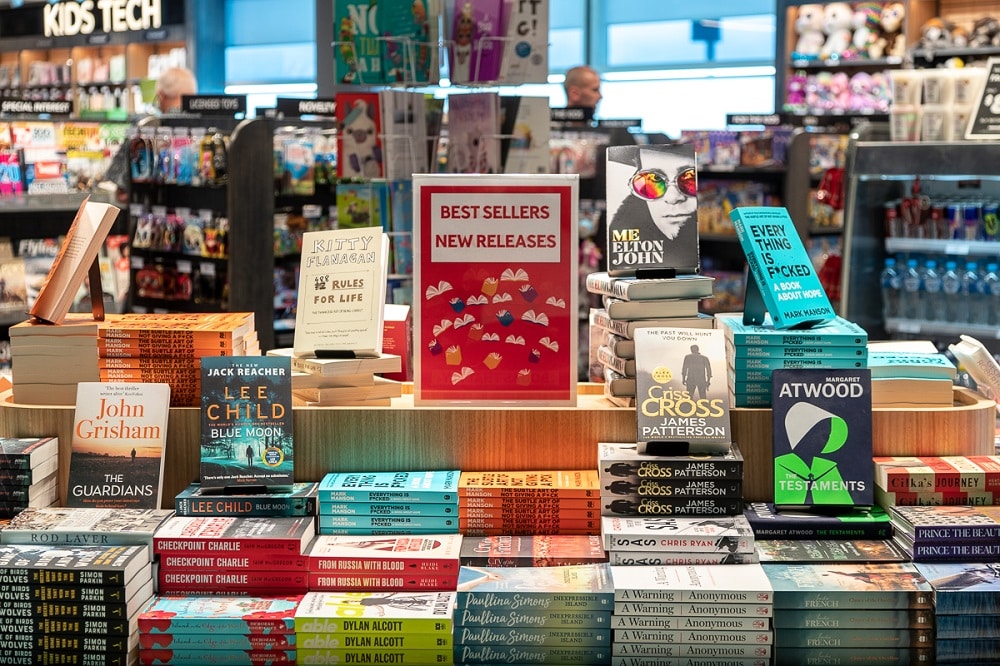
956 533
631 303
673 614
320 382
495 503
233 556
73 604
966 611
53 359
300 500
937 480
198 630
532 550
534 615
378 564
74 526
375 628
28 473
388 503
753 352
640 484
871 613
168 348
692 540
911 378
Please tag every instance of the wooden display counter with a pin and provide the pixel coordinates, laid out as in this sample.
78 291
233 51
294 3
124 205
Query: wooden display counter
507 438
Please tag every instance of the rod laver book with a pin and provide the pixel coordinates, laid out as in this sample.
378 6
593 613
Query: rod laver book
69 526
822 438
681 390
117 456
342 282
246 422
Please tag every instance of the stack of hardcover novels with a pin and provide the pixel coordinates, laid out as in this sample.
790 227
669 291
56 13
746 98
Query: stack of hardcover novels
320 382
641 484
673 614
871 613
194 630
73 604
493 503
966 611
375 628
953 533
53 359
388 503
73 526
233 556
28 473
534 615
753 352
532 550
385 563
631 303
168 348
937 480
299 500
635 541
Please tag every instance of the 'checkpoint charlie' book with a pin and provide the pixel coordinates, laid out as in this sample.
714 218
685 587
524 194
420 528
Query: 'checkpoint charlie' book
822 438
681 403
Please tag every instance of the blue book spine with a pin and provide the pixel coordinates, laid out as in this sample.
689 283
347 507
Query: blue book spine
795 363
380 531
791 352
423 486
967 626
387 509
440 523
838 332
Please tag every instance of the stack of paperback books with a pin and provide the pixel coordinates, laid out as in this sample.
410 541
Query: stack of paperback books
73 526
196 630
233 556
937 480
388 503
73 604
874 613
753 352
640 484
631 303
300 500
528 502
168 348
966 611
682 540
28 473
375 628
534 615
52 359
537 550
679 613
955 533
321 382
388 563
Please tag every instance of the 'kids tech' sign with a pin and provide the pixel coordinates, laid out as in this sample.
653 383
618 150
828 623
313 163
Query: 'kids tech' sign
69 18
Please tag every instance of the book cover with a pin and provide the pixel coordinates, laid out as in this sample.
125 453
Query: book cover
633 488
227 561
117 450
72 564
915 365
829 550
769 522
630 558
783 281
405 134
822 438
526 55
681 390
474 134
405 38
951 551
357 55
13 284
300 500
359 135
658 309
836 332
27 453
477 40
685 533
336 367
376 612
963 588
497 319
576 587
626 328
246 422
947 523
534 483
848 586
742 583
652 194
524 129
202 614
38 255
68 526
397 338
431 554
433 486
635 289
623 460
532 550
193 535
634 505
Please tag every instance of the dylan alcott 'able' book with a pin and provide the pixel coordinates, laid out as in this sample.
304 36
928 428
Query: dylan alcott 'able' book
822 438
736 584
246 422
281 535
194 500
117 456
769 522
72 526
636 289
681 390
683 533
201 614
857 585
342 282
538 550
376 612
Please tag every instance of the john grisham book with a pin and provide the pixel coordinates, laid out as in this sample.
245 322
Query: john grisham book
822 434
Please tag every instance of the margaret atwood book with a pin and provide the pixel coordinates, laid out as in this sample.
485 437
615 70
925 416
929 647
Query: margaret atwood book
117 457
77 254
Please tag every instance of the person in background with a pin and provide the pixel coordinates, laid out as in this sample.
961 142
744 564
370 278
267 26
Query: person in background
173 84
583 87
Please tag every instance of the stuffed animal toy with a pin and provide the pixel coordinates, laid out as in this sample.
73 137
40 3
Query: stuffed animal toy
984 32
866 23
795 97
891 42
861 93
837 18
935 34
809 28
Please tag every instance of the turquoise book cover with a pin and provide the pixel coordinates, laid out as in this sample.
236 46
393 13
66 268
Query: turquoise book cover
784 282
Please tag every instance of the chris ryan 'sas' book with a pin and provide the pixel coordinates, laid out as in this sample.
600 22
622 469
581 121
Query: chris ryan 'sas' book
822 438
681 401
246 422
119 432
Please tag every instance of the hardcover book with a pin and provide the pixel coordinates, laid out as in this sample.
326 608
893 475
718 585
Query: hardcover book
338 367
783 281
687 534
376 612
435 487
117 456
497 318
822 438
659 309
681 391
342 282
634 289
769 522
947 523
848 586
742 583
577 587
246 422
300 500
67 526
626 328
532 550
201 614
